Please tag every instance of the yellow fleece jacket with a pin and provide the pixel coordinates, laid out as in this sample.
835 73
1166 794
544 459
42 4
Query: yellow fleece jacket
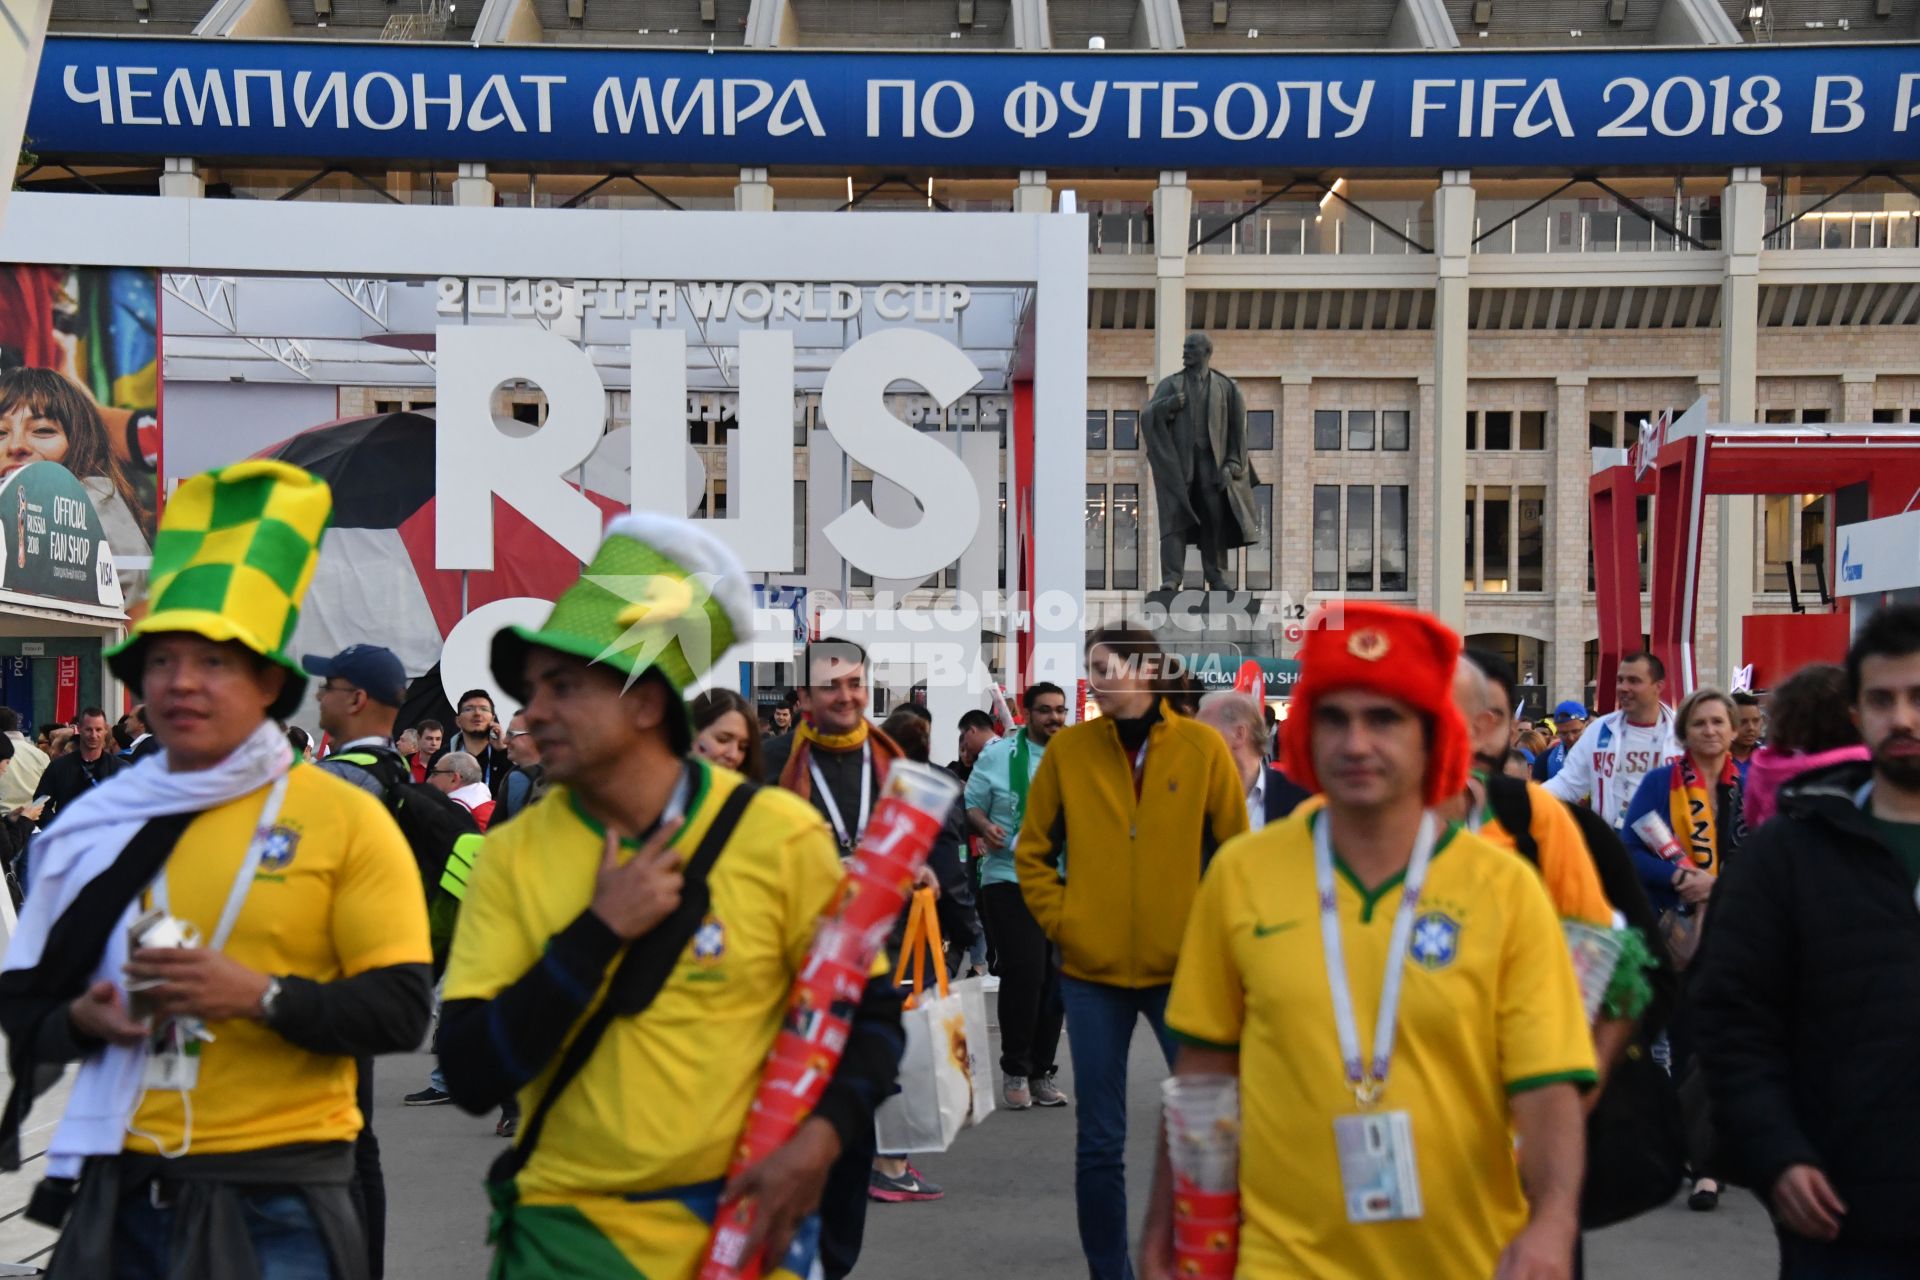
1109 877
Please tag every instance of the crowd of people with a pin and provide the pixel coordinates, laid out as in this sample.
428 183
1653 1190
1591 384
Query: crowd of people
1484 985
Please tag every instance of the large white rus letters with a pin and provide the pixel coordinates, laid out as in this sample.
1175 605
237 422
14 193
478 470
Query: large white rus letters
476 461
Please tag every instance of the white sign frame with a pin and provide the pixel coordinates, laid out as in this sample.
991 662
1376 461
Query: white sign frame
360 241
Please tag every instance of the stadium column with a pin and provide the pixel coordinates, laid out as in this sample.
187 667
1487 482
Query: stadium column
1572 537
1033 195
179 176
1743 211
1446 434
472 189
1172 215
753 193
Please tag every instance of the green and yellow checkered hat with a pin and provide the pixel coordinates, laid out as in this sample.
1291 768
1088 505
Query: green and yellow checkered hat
661 595
232 560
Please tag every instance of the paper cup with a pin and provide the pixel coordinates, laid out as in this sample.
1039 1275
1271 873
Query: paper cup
921 787
1206 1266
841 943
764 1135
832 983
804 1079
1193 1205
781 1108
1198 1239
900 833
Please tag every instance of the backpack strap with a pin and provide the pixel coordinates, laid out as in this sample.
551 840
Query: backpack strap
384 763
649 962
1512 806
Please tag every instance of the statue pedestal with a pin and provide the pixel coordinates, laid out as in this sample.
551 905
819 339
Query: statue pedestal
1197 622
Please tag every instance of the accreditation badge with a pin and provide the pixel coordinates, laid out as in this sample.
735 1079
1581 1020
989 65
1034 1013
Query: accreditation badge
173 1059
1377 1169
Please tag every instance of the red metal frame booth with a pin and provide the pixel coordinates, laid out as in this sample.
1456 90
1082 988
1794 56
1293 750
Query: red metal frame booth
1680 465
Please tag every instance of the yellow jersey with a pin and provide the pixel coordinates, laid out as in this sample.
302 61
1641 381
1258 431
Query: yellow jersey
337 893
1489 1008
664 1098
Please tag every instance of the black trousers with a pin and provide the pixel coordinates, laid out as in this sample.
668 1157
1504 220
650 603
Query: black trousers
369 1185
1030 1008
843 1206
1804 1259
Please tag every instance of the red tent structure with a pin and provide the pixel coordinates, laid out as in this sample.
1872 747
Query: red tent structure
1870 470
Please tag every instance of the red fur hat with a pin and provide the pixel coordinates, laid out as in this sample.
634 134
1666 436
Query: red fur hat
1397 653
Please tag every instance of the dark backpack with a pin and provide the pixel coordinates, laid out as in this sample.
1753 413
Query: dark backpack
429 819
1636 1150
1512 806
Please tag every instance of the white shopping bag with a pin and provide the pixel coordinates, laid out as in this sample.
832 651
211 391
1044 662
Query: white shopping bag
982 1052
939 1082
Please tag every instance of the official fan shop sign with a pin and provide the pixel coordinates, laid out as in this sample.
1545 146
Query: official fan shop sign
51 542
226 99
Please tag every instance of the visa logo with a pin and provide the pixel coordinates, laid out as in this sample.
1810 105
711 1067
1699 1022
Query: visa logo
1851 570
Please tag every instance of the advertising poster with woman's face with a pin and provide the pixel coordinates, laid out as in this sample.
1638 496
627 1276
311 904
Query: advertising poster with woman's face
80 386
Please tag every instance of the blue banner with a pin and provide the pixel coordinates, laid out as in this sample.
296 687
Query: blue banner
229 99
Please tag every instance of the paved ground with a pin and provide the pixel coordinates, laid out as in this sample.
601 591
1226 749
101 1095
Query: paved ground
1008 1214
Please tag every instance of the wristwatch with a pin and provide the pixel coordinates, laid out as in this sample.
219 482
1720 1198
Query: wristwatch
267 999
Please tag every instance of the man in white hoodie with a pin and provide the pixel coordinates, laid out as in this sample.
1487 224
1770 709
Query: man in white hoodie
1605 767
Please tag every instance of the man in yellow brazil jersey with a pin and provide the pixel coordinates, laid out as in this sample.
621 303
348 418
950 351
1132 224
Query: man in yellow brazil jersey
216 932
1394 994
627 945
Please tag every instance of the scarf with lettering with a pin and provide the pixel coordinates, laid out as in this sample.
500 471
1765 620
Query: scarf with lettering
1694 807
797 777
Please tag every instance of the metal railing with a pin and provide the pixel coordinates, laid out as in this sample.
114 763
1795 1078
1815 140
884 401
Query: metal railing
1851 229
1588 226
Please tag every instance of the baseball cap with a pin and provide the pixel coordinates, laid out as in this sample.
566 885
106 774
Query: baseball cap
364 666
1570 710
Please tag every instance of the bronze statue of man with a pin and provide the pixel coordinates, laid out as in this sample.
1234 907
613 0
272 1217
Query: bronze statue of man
1196 433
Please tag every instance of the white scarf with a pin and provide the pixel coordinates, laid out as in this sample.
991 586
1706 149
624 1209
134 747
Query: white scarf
89 836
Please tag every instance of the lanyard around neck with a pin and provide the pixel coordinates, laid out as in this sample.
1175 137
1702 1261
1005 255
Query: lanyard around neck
243 878
840 831
1368 1080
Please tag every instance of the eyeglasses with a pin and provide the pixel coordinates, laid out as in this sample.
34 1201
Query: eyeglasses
331 687
517 733
441 773
472 707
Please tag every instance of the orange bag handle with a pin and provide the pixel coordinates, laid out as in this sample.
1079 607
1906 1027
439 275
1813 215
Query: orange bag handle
922 936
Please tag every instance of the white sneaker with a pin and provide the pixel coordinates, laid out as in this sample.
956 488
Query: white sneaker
1016 1094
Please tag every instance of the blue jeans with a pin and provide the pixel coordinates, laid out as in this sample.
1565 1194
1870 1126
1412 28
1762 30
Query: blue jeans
286 1241
1100 1023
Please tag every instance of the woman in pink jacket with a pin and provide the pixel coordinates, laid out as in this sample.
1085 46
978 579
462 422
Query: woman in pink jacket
1808 727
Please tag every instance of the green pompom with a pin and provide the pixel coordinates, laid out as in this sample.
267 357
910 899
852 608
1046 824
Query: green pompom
1629 993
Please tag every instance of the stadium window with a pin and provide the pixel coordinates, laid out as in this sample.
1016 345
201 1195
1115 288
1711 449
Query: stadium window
1096 536
1533 429
1359 575
1326 537
1259 556
1126 536
1530 541
862 492
1395 428
1326 429
1393 537
1260 429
